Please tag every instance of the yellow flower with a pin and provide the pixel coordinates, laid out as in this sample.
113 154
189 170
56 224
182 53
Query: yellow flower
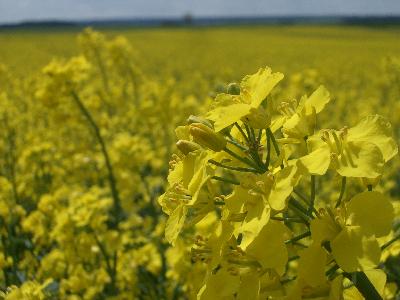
186 181
257 197
229 109
299 120
352 235
360 151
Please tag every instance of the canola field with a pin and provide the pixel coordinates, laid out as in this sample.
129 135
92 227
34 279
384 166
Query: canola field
200 163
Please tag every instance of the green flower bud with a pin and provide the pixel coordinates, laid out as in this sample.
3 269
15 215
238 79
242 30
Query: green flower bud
187 146
207 137
233 89
196 119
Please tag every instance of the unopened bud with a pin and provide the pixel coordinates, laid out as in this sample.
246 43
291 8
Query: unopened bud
196 119
233 89
258 118
207 137
187 146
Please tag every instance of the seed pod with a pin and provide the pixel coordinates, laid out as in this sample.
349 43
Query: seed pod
207 137
187 146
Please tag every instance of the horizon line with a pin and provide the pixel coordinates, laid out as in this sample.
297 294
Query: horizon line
138 19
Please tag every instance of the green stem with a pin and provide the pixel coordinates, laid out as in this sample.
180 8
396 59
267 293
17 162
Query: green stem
239 169
332 271
235 143
294 203
299 237
250 133
387 244
259 135
342 190
274 142
364 285
111 270
312 196
231 181
294 220
268 158
242 159
304 199
111 178
242 132
360 281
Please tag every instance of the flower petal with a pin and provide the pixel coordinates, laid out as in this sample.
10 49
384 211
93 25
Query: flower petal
317 100
175 223
256 87
354 252
221 285
361 159
312 264
224 116
318 161
269 247
283 187
373 212
375 129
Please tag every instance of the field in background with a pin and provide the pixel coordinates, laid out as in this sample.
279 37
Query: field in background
220 52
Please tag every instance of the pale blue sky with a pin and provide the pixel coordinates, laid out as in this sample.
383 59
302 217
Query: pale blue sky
19 10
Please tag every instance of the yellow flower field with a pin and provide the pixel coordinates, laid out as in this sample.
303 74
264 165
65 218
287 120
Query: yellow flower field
200 163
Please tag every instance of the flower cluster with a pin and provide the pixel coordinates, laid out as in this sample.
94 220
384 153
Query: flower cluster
251 170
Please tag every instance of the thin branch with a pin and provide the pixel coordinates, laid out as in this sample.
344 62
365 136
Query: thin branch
111 178
342 190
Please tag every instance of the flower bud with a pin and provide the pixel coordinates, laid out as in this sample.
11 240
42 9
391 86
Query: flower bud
207 137
258 118
233 89
187 146
196 119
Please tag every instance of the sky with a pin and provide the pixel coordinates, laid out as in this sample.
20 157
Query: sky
22 10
